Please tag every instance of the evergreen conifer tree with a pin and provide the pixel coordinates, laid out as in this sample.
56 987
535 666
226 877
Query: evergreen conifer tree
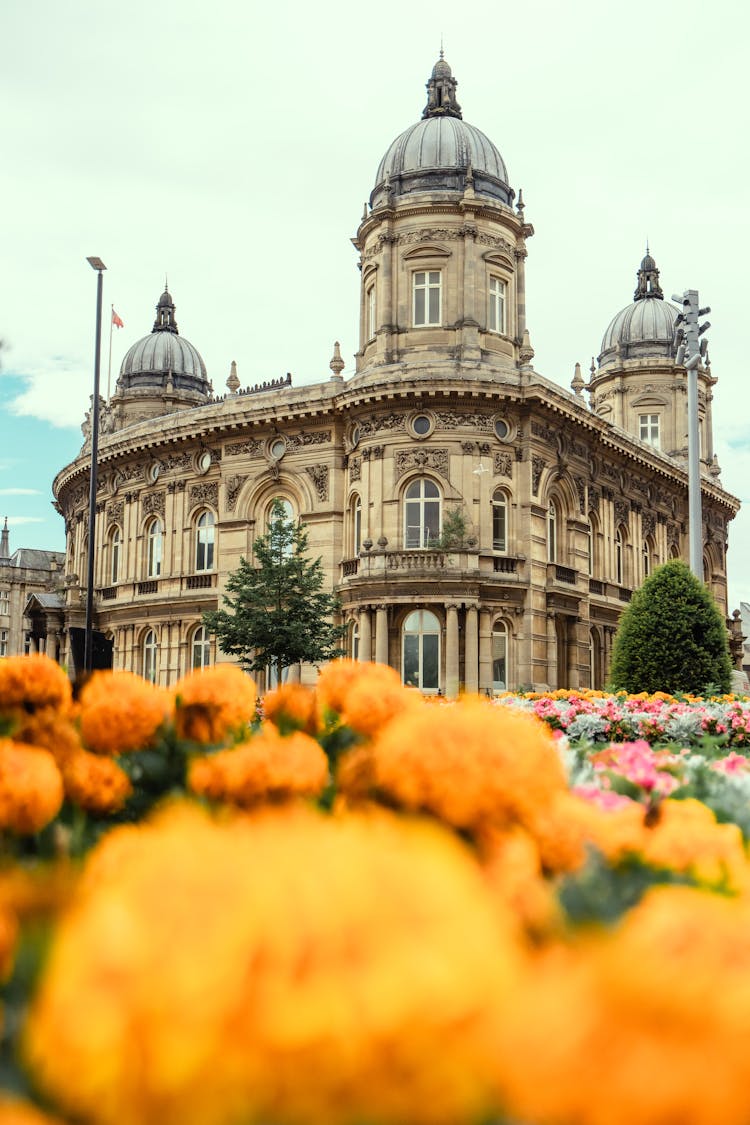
671 637
277 613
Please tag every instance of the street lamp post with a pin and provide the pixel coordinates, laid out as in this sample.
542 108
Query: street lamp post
691 351
88 652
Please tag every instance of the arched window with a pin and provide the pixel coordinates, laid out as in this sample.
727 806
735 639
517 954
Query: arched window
200 648
150 654
552 532
619 544
354 641
646 558
421 651
115 545
422 517
288 516
356 526
499 656
154 541
204 541
499 521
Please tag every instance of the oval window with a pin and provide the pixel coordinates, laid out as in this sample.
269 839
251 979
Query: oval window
502 429
278 448
421 425
153 473
204 462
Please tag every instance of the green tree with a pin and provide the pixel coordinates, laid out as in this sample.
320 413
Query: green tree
672 637
276 612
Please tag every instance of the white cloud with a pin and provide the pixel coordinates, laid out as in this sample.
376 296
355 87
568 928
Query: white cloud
20 492
14 521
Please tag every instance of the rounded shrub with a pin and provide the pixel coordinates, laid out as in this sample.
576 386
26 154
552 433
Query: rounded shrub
671 637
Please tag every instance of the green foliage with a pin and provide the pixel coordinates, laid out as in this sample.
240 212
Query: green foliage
454 530
603 893
277 613
672 637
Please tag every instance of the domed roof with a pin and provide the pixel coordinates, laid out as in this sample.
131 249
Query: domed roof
442 152
164 355
646 326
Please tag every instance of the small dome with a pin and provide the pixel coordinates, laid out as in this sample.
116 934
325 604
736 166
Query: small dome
648 262
441 151
646 326
163 356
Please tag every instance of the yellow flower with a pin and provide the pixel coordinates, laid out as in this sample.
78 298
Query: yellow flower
467 764
31 788
120 711
95 783
212 705
365 696
268 767
283 968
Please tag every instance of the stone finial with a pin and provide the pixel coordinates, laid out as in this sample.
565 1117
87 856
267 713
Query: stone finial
337 364
526 352
364 212
5 541
592 369
233 382
520 205
577 383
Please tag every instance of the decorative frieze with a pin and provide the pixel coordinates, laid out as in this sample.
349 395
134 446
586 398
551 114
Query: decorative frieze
502 465
318 474
545 432
250 448
152 504
355 468
392 421
300 441
115 511
423 458
205 493
174 462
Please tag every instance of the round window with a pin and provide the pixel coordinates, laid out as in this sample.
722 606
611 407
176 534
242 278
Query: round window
421 425
502 429
355 437
153 472
204 462
278 448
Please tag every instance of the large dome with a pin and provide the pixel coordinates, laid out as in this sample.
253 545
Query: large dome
441 152
645 327
164 355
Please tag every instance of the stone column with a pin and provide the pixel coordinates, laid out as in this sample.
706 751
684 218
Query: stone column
381 634
365 634
451 651
485 651
293 674
520 256
471 650
552 674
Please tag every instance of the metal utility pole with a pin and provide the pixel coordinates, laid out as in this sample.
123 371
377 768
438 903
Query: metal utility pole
690 351
88 651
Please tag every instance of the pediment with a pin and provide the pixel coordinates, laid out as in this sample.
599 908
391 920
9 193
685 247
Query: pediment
426 251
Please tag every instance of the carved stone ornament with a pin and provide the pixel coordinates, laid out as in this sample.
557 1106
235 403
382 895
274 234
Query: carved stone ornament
153 504
579 449
250 448
355 468
430 234
545 432
495 243
365 454
425 458
453 419
233 486
580 484
648 524
537 468
174 462
673 535
319 476
116 511
502 464
467 446
378 451
622 511
299 441
205 493
391 421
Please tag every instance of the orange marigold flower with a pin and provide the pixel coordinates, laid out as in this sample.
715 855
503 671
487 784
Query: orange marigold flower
292 707
365 696
269 767
662 1004
31 788
52 730
95 783
32 682
8 938
212 705
120 711
279 976
467 764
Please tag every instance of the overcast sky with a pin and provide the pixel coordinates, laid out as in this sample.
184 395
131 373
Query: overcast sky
231 146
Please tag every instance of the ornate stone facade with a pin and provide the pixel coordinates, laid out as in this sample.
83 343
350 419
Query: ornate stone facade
561 509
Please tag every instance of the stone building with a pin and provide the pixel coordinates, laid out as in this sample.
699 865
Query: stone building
484 527
29 579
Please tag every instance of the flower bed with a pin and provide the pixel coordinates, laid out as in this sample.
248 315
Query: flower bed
360 906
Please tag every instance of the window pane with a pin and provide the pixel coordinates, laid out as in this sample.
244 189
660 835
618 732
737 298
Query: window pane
430 489
434 277
411 659
499 652
431 520
419 306
430 645
435 306
498 525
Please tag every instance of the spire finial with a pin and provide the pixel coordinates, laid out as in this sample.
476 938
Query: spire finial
165 310
5 542
441 90
441 45
648 279
233 381
337 364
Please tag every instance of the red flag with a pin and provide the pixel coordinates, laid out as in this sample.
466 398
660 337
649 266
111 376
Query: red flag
118 323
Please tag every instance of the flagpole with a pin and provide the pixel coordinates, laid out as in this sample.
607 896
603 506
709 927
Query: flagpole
109 368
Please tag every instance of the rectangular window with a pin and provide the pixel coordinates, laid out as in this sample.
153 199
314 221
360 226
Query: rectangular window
497 305
648 429
371 312
498 526
427 298
3 642
4 601
499 661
